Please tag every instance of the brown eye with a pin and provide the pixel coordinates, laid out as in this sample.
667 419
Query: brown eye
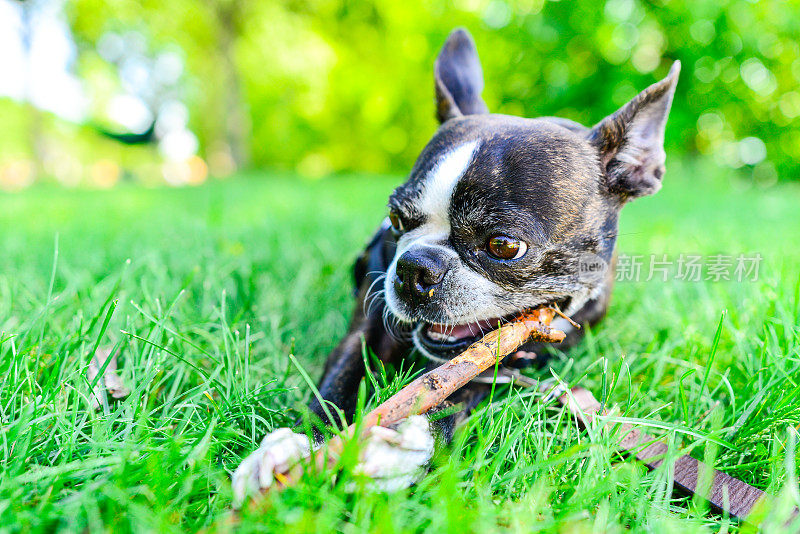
504 247
397 224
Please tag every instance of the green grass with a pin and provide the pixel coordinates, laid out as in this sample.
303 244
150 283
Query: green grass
207 291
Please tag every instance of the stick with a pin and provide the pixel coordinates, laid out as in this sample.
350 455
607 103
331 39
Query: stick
723 492
430 389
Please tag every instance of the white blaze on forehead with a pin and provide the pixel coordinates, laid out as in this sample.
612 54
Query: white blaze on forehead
442 179
434 204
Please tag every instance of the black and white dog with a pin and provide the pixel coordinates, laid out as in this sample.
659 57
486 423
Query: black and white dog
499 214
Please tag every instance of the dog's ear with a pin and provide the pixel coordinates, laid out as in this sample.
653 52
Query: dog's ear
458 77
631 141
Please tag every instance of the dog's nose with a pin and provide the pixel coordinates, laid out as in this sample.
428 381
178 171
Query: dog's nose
419 273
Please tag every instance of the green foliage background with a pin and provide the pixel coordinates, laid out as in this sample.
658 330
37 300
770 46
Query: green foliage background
340 84
329 85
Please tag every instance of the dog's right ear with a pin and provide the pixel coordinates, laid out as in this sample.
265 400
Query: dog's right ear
459 78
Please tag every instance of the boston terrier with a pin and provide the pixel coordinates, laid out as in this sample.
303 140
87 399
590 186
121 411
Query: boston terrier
499 214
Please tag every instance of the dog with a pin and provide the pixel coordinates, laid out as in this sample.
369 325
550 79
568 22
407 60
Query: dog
499 214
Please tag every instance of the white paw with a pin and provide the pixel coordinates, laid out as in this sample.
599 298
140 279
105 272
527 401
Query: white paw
279 450
394 458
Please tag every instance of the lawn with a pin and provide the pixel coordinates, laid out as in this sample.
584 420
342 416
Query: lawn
207 291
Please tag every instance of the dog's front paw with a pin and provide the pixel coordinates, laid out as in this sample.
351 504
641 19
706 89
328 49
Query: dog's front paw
279 450
394 458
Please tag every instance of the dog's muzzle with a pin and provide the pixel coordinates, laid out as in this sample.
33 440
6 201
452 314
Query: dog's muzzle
418 275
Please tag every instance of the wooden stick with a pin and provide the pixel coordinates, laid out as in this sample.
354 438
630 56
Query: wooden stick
721 490
430 389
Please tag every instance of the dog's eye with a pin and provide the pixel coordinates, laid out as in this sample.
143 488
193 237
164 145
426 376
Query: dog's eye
397 223
504 247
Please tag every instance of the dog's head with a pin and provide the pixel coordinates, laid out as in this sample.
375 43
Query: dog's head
500 213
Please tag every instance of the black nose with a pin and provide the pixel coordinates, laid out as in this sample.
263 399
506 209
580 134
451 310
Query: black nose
419 273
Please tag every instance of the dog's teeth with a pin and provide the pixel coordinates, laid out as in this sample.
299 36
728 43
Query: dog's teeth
438 336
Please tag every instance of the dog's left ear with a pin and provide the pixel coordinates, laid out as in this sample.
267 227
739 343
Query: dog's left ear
458 77
631 141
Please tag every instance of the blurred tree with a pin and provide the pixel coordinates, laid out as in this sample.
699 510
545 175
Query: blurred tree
207 32
229 16
326 85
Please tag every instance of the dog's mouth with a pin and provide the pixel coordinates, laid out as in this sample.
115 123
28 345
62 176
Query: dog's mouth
445 341
446 337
